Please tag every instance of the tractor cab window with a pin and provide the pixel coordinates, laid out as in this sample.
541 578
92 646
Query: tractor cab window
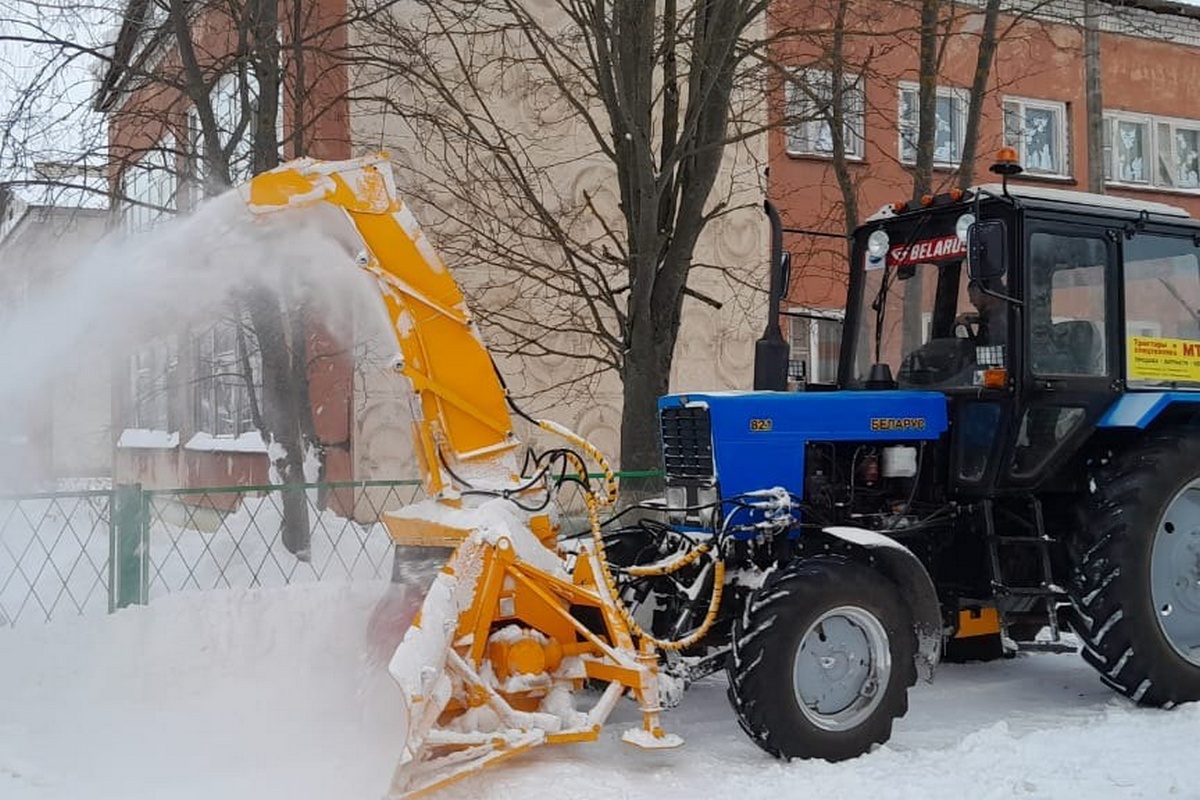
1066 302
930 324
1162 310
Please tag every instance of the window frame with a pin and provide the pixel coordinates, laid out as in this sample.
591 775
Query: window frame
152 180
1112 127
812 363
1174 126
220 381
1037 347
1062 141
960 98
802 104
153 368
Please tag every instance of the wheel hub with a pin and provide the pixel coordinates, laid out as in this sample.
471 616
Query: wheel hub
1175 572
841 668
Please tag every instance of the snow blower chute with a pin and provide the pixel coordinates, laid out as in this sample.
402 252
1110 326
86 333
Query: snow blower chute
510 628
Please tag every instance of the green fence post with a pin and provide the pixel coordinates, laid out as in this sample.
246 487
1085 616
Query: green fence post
128 556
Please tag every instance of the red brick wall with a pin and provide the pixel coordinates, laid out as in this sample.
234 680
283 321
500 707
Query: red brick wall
143 118
1037 60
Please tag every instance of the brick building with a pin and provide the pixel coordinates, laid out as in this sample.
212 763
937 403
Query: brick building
1035 103
179 422
182 407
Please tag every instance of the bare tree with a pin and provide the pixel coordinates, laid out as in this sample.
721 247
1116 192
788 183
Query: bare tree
199 91
647 95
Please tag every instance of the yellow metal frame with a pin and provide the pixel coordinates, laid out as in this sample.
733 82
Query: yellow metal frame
507 591
491 613
978 621
464 412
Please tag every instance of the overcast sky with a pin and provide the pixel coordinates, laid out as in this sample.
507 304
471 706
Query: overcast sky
54 120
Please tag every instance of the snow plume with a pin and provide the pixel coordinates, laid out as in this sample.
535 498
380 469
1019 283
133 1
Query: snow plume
125 292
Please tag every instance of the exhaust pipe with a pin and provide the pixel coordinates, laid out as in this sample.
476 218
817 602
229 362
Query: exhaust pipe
771 351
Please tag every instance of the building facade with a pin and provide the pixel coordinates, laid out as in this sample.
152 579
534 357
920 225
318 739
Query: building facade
185 401
1035 102
180 420
57 422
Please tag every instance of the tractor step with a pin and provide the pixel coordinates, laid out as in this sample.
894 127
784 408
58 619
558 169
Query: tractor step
1046 590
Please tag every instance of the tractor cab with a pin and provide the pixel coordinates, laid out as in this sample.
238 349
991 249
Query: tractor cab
1032 310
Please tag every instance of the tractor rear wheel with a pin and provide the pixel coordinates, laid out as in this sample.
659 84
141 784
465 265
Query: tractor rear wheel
821 661
1136 587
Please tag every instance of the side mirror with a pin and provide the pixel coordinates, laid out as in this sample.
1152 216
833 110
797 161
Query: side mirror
986 251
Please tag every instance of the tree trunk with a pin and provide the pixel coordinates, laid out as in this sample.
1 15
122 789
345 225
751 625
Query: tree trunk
285 404
645 378
983 71
1094 97
841 167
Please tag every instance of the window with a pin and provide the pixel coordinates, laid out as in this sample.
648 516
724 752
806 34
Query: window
1152 151
149 185
1126 145
235 124
151 376
1038 131
224 392
814 341
1162 295
196 171
1179 154
1066 304
810 114
950 124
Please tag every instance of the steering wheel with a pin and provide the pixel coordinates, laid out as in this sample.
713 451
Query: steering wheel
966 326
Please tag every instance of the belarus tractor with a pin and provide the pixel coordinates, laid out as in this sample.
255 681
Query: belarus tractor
1012 446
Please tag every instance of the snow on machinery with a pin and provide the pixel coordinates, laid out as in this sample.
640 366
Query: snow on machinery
508 629
1006 446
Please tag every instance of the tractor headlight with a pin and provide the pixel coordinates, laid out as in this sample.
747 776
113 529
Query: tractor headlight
962 226
692 504
676 500
877 244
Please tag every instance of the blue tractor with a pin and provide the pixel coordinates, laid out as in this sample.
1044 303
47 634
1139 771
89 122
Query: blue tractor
1012 445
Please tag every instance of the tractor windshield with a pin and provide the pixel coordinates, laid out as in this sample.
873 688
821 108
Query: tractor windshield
918 315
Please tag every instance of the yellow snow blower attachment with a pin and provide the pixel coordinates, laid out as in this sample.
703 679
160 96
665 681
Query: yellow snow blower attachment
510 627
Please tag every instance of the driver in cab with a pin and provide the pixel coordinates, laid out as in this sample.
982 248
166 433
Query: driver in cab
991 324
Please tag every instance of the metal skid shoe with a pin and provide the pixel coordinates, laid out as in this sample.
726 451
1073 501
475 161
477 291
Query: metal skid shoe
503 639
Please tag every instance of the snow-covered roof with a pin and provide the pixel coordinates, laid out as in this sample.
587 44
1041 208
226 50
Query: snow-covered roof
1085 199
1050 194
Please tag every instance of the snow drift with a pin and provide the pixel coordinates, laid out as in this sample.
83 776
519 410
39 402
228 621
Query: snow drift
256 695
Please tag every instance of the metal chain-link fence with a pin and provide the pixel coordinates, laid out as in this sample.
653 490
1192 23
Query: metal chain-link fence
92 552
54 555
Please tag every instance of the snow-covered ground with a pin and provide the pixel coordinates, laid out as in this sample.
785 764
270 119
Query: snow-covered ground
262 694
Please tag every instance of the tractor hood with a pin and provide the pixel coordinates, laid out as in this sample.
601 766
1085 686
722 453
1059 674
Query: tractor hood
756 440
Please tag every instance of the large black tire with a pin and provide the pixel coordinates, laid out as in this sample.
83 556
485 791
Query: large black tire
1122 596
779 651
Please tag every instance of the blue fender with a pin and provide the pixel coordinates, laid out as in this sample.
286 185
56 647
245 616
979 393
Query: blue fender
1139 409
899 564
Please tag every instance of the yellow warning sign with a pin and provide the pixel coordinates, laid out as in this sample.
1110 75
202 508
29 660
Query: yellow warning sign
1156 359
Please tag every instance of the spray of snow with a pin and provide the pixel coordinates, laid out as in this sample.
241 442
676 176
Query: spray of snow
123 293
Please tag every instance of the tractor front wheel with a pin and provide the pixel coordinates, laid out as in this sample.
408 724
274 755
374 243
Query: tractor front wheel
821 661
1136 588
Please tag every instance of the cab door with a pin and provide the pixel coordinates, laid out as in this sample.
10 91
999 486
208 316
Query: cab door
1070 346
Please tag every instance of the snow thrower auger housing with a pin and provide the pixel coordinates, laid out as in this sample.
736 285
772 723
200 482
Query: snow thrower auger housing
510 628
